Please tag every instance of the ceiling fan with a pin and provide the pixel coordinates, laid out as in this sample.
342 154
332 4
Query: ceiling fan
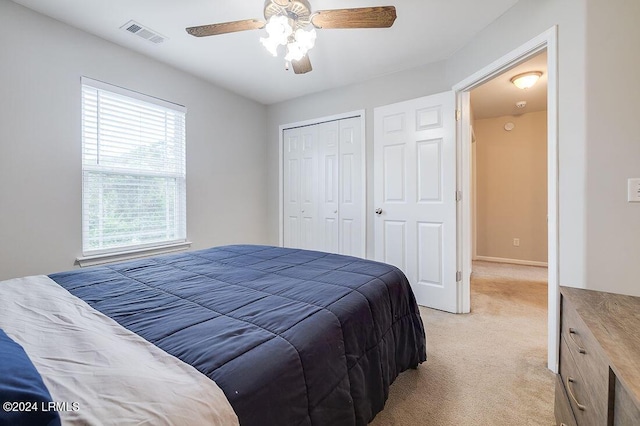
291 23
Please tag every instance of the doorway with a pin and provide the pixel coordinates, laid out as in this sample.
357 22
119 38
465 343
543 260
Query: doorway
509 195
546 41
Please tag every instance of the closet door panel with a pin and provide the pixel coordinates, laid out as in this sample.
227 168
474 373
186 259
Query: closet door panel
328 179
291 191
351 205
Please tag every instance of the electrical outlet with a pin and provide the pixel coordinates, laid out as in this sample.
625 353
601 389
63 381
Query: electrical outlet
633 190
516 242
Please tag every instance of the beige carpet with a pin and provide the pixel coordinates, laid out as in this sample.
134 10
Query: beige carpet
483 368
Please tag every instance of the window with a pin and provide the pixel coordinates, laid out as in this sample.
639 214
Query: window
133 170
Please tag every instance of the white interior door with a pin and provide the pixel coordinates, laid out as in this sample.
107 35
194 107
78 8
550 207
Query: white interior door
415 195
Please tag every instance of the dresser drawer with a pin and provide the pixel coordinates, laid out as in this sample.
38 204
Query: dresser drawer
589 360
579 395
562 409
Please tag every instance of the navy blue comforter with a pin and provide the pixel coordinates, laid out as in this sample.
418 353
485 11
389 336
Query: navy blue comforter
292 337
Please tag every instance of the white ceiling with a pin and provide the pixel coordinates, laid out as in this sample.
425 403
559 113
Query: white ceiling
425 31
498 96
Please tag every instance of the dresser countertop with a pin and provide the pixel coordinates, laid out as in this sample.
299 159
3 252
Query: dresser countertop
614 320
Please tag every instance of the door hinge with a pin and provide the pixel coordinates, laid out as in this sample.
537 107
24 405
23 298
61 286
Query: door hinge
458 115
458 276
458 195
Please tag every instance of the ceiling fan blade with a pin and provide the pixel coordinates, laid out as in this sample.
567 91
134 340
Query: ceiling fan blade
302 66
365 17
225 27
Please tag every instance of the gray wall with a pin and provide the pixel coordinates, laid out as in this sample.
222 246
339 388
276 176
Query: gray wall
613 144
40 145
598 129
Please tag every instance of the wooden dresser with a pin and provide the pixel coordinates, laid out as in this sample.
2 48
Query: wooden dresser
599 380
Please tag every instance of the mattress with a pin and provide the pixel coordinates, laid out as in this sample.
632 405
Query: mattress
292 337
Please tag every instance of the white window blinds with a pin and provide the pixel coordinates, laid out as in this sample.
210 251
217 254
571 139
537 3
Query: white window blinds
133 170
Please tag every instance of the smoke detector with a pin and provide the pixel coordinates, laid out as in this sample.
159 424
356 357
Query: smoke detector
521 104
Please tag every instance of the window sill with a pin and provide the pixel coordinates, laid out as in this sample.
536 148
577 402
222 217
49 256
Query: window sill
101 259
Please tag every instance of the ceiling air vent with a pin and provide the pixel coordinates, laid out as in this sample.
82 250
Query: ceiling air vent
141 31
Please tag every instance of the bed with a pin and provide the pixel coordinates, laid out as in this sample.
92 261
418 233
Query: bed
291 337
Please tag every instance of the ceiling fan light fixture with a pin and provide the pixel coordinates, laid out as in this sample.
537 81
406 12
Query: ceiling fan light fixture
303 41
278 32
306 38
526 80
270 44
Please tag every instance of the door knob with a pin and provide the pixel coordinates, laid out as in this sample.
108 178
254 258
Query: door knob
378 211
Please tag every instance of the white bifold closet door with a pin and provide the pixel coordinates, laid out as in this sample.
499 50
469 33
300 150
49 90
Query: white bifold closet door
323 187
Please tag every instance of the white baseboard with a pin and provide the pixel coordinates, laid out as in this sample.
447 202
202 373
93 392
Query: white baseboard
512 261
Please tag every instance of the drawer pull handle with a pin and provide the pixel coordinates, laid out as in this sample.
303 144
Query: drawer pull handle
572 333
569 381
